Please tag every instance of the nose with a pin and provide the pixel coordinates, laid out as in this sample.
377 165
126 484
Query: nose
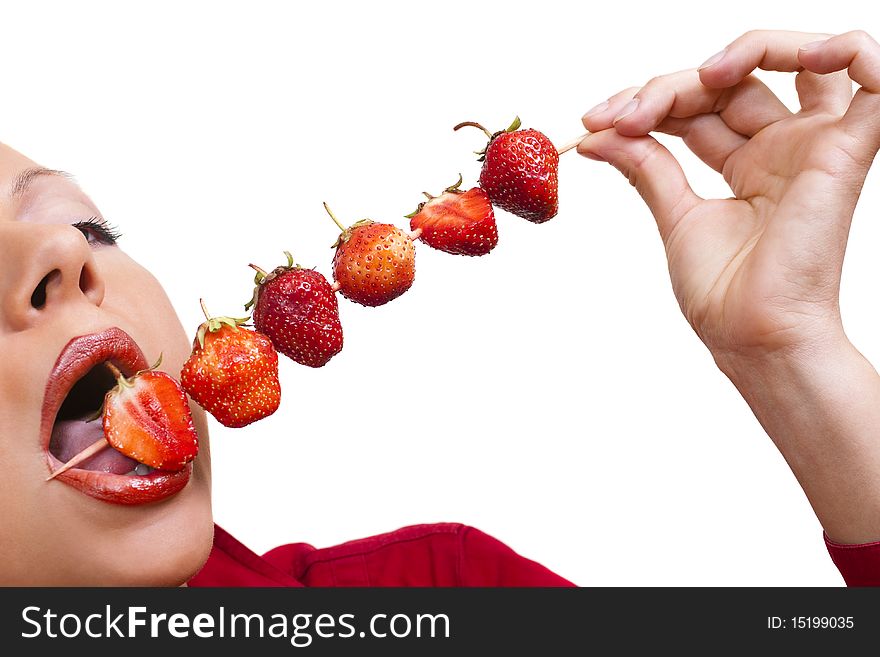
43 268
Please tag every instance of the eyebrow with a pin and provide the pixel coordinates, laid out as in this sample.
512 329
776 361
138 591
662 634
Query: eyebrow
24 179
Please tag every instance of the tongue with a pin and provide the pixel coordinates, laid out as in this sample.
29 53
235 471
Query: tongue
70 437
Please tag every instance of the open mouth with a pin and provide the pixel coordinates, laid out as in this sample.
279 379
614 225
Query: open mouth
74 393
78 425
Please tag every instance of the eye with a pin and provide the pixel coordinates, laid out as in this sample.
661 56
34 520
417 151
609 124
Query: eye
98 231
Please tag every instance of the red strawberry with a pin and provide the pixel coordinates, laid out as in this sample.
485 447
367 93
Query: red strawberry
232 372
374 263
457 222
147 418
520 172
297 309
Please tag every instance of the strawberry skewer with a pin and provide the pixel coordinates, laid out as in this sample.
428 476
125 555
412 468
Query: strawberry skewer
95 447
572 144
88 452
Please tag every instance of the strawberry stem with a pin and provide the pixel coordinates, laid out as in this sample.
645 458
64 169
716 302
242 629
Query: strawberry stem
514 126
571 144
89 451
261 273
204 309
114 370
119 376
473 124
454 187
333 217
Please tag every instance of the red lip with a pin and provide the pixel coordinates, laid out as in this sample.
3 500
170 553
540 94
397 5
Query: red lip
76 359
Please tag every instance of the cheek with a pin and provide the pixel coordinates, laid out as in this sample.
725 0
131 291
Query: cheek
135 296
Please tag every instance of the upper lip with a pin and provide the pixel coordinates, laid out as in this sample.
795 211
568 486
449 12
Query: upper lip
76 359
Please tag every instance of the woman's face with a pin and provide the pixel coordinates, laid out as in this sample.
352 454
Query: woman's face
60 279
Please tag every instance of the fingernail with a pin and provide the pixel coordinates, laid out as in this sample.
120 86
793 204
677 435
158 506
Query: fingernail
714 59
813 44
601 107
628 109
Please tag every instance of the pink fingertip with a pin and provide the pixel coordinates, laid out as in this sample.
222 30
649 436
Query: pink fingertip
601 107
714 59
626 110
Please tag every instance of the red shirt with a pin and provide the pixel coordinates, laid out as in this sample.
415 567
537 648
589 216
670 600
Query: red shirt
445 554
859 564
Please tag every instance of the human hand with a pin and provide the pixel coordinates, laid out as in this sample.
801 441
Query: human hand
758 273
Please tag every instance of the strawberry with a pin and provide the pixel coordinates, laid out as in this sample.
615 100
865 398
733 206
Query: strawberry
297 309
520 172
457 222
374 263
147 418
232 372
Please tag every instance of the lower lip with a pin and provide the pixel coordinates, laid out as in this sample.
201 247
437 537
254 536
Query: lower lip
124 489
77 358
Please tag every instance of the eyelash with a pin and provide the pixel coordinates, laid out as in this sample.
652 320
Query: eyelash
98 229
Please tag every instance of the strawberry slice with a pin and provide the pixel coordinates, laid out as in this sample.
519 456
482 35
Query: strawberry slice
147 418
461 223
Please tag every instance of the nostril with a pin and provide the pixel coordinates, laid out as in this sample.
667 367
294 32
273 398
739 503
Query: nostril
85 280
38 298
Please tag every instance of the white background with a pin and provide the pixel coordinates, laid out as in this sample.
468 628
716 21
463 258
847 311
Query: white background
550 394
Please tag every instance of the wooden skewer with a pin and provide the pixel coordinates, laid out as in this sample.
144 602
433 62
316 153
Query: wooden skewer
571 144
89 451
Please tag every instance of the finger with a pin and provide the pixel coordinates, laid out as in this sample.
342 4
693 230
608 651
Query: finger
651 168
859 54
747 108
707 135
765 49
824 93
602 115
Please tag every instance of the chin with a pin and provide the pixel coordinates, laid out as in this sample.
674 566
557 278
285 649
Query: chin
168 562
165 550
165 545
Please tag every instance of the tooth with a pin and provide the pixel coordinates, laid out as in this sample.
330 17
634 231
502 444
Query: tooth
142 469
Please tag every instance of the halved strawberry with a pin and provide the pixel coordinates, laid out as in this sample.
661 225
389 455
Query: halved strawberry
147 418
457 222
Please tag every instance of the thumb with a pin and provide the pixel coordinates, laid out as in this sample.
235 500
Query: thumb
650 168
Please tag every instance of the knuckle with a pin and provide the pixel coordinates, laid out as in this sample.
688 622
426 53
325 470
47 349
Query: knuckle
649 152
660 82
862 39
752 35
